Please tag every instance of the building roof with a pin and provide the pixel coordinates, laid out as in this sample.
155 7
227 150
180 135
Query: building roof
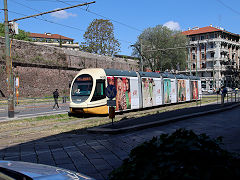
49 36
206 29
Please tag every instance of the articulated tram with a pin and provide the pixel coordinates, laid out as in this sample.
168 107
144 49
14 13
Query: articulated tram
134 90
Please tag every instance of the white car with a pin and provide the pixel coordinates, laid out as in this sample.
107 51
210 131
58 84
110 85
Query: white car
28 171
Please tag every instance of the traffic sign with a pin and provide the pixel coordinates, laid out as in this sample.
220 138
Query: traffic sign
111 91
111 103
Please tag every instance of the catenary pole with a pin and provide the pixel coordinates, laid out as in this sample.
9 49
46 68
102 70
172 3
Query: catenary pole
8 65
10 82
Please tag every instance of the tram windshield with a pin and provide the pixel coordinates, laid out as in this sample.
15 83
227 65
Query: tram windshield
82 87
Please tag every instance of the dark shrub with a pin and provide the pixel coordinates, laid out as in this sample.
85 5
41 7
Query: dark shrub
181 155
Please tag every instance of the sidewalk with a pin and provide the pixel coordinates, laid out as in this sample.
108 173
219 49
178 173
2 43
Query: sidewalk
149 121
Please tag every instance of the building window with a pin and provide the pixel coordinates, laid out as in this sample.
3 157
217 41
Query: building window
211 36
194 56
194 66
212 54
203 65
211 45
203 83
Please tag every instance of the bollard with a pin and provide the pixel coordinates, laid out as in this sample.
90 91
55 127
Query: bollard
111 113
200 100
64 99
222 99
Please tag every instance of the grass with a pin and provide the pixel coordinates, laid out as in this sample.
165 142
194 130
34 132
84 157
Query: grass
30 101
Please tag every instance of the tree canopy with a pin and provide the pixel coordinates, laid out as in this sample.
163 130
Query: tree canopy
23 35
99 38
161 49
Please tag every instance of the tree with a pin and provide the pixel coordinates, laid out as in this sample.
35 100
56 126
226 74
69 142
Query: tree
161 49
99 38
23 35
232 74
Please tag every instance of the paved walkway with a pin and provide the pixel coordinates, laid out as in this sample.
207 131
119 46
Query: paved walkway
98 154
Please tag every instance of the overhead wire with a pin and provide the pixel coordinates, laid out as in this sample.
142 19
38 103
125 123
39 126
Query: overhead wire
103 17
228 7
64 25
53 22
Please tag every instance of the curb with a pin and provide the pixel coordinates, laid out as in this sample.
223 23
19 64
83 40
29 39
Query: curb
103 130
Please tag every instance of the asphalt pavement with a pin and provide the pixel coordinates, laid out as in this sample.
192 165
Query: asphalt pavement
98 154
33 110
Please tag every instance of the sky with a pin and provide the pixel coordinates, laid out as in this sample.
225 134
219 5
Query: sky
129 17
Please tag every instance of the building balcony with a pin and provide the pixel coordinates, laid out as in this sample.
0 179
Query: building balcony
230 42
224 50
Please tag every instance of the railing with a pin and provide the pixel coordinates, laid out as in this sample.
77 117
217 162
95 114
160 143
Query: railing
230 97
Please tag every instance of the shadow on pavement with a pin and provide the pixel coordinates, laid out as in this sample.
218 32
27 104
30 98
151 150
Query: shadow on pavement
91 154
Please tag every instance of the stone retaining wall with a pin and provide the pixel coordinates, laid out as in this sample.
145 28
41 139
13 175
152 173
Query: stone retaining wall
42 68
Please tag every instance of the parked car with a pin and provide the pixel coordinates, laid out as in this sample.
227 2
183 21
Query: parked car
210 91
30 171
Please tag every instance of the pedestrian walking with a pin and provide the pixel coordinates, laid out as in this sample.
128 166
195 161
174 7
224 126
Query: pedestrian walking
55 96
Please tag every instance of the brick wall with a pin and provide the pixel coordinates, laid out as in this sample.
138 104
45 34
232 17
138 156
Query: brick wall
42 69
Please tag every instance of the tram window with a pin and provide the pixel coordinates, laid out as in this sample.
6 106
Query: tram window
82 86
99 92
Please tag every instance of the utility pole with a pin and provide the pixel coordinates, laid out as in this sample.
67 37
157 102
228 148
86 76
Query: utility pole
189 59
141 59
8 65
10 81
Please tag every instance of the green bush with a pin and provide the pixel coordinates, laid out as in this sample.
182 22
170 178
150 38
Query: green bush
177 156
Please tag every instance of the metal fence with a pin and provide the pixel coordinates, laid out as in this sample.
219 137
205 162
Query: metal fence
230 97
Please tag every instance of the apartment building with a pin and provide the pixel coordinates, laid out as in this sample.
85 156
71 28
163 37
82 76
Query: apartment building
213 55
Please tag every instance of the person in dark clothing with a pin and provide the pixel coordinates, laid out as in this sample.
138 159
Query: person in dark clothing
55 96
224 91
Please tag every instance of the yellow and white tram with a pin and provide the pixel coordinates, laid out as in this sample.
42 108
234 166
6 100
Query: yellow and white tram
134 90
